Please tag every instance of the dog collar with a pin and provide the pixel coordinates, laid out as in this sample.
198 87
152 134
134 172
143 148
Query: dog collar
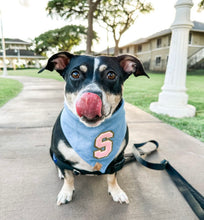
98 146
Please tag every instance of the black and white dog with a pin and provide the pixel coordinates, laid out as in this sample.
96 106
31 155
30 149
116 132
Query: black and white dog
90 134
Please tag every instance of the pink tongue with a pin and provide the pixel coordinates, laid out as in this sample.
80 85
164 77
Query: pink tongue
89 105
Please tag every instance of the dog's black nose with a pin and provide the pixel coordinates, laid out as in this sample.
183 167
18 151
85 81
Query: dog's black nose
97 93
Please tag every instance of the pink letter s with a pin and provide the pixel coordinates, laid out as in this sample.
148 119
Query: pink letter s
104 145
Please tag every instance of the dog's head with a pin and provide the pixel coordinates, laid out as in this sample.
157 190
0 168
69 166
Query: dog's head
94 85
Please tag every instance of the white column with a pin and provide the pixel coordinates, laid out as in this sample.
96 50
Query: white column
37 63
173 98
3 47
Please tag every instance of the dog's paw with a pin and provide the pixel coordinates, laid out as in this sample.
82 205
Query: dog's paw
64 197
118 195
60 175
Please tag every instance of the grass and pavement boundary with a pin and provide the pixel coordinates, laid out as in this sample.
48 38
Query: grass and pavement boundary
138 91
9 89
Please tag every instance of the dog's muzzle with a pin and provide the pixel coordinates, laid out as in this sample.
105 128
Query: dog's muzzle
89 105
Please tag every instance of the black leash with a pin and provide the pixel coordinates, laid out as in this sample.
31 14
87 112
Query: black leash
191 195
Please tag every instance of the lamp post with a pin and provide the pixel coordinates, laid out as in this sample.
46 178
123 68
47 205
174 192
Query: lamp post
3 48
173 98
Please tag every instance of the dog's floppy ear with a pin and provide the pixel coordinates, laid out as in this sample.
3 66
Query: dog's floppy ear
131 65
58 62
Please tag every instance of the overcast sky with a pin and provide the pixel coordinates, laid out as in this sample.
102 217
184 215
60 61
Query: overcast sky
27 21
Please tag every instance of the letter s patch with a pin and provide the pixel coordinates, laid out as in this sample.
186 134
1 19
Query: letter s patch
104 145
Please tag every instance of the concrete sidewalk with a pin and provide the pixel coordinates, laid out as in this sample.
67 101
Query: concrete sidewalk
29 184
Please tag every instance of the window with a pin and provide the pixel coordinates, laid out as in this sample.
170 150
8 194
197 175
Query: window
159 41
127 50
120 50
158 61
135 49
190 38
140 48
169 40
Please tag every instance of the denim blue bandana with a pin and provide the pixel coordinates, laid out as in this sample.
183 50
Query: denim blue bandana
95 144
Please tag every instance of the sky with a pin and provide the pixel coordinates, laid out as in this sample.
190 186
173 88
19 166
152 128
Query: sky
27 19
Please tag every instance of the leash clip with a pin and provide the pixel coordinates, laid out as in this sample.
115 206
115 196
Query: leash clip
164 162
76 172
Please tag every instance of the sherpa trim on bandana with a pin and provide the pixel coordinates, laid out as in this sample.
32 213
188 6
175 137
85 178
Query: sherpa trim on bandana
95 144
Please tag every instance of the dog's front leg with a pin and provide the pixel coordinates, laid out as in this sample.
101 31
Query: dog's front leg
114 189
65 195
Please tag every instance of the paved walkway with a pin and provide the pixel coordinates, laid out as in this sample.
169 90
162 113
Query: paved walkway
29 184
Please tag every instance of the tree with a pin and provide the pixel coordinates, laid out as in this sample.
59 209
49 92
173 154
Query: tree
60 39
201 5
119 15
80 8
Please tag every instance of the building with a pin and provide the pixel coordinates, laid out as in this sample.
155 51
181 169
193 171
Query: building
153 51
19 55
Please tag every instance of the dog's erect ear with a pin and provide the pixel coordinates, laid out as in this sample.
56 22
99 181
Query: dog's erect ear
131 65
58 62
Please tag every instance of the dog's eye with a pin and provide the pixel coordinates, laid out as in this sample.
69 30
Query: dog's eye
111 75
75 75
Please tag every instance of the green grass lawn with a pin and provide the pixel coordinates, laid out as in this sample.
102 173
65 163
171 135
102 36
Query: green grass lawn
8 89
34 73
139 91
142 91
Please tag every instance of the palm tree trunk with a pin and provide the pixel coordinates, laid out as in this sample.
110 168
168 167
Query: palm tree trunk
90 28
116 50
